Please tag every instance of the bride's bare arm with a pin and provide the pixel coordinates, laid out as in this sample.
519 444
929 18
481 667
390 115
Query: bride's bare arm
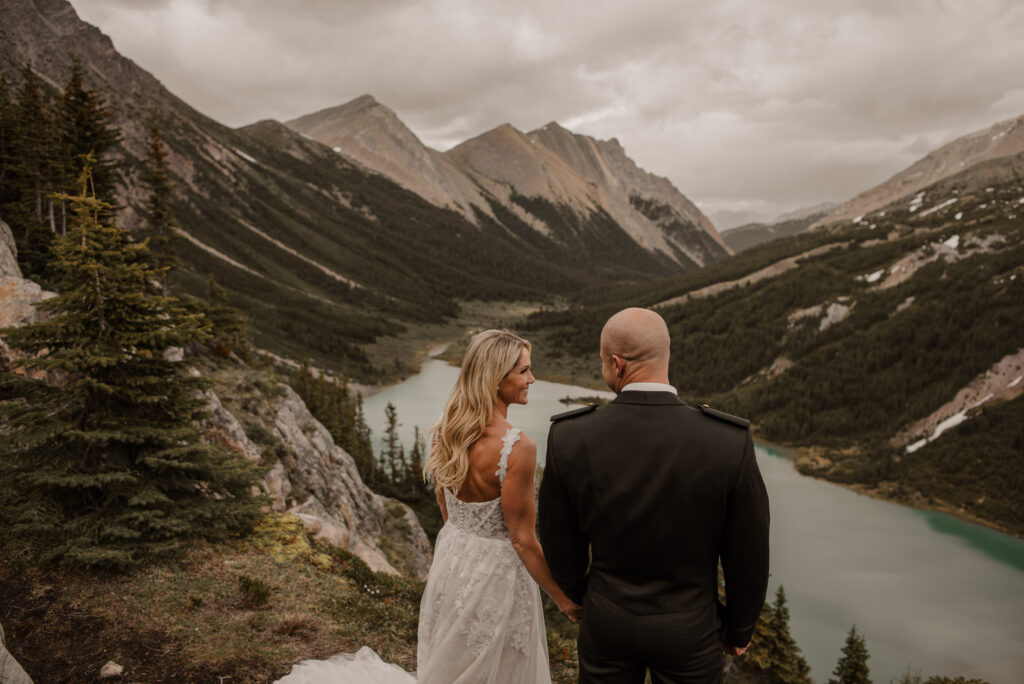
520 510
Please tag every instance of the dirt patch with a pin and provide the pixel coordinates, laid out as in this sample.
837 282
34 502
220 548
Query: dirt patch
60 640
770 271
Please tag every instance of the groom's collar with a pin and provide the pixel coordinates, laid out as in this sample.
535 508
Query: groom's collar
649 387
637 393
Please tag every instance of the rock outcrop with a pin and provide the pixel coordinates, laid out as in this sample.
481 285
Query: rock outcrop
18 295
314 478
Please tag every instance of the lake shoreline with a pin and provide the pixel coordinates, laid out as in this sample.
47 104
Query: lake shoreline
435 350
807 454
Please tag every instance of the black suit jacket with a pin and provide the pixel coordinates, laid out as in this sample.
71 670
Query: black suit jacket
642 497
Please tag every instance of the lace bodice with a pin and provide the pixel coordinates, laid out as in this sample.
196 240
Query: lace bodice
483 518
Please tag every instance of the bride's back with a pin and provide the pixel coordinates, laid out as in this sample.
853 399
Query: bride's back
481 482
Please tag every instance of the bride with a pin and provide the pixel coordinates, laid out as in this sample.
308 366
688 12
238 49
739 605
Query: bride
480 617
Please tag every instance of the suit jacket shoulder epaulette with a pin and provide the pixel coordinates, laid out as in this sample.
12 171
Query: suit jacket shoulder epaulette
574 412
723 416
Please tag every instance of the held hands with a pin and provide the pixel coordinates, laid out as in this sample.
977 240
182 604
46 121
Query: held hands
571 610
727 648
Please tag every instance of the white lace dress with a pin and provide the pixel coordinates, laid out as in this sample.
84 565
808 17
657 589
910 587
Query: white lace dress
481 620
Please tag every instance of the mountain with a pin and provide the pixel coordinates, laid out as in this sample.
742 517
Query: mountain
751 234
649 207
1004 139
323 253
371 134
726 219
889 349
562 184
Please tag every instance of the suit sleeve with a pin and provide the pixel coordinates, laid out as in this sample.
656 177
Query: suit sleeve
745 550
566 548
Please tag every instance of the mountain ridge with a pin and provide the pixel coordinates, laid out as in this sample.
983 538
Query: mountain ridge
589 177
1002 139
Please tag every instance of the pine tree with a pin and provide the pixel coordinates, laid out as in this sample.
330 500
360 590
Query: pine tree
85 126
393 454
416 485
35 157
852 667
227 322
363 442
105 467
160 226
774 653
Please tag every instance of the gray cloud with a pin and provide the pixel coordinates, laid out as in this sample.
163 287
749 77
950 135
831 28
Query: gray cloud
744 105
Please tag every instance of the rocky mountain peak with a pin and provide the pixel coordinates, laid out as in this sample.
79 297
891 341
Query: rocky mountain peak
591 178
373 135
365 100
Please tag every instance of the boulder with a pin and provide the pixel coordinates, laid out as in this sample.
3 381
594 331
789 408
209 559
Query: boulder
18 295
111 670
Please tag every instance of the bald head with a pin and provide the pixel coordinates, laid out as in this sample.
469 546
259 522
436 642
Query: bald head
635 347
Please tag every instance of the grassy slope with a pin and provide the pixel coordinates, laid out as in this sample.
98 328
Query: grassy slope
193 621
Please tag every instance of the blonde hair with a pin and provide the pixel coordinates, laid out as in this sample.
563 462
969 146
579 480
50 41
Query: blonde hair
470 407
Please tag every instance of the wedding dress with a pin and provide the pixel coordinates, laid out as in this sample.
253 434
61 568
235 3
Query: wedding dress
481 620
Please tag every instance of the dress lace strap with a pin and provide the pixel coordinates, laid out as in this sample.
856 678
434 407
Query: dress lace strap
510 438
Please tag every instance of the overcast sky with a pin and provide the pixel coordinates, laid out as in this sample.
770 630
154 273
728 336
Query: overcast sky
746 105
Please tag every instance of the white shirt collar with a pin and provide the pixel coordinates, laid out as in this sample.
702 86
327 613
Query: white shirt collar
649 387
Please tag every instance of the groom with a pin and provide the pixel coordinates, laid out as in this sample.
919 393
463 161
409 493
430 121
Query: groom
639 502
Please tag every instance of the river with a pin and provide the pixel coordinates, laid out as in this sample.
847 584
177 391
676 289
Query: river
924 588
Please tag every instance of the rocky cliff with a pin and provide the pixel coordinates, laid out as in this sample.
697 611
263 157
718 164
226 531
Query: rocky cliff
264 420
